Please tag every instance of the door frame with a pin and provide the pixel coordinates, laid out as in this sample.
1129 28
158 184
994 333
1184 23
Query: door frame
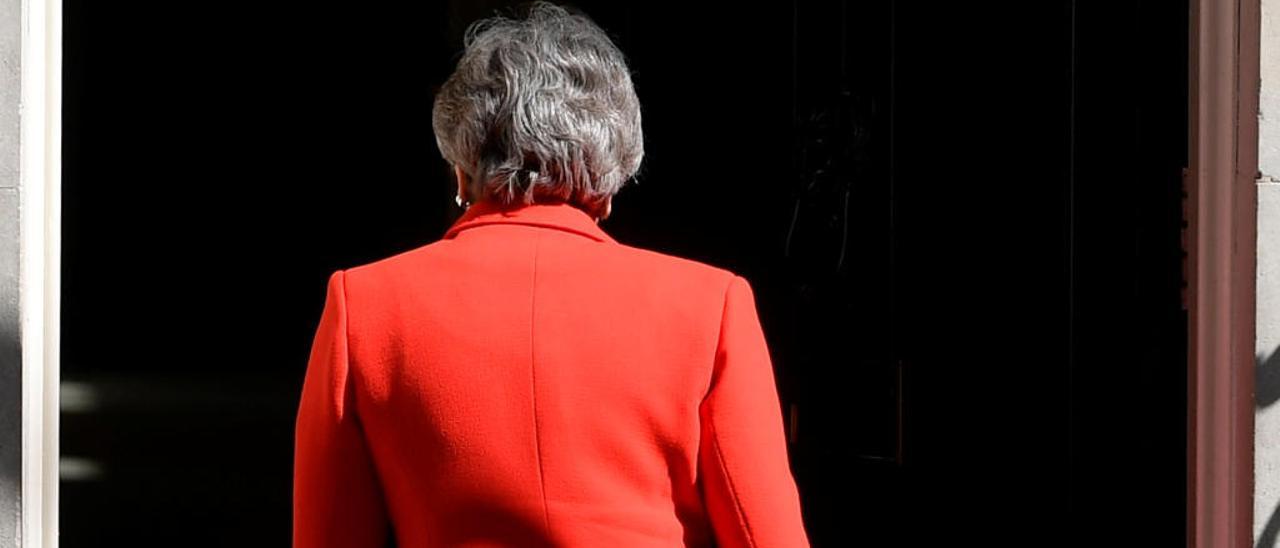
1222 253
39 268
1224 41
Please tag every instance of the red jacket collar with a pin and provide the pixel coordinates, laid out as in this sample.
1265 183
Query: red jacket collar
559 215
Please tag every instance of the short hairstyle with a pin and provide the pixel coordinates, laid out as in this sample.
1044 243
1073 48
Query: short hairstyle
541 108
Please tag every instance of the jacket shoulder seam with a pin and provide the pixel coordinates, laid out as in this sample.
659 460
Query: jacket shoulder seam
715 436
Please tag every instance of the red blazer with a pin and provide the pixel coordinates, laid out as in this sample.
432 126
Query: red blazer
529 381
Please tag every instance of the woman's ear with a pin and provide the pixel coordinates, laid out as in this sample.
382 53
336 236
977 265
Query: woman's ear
461 179
608 209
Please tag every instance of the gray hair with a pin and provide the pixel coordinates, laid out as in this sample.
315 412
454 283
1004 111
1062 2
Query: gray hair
540 108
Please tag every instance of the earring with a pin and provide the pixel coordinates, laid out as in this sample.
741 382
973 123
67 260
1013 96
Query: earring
458 199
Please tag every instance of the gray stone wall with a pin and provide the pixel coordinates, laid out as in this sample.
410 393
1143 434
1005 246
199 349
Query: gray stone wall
10 348
1266 502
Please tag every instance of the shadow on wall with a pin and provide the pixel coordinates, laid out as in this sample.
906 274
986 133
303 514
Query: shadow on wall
1267 391
10 400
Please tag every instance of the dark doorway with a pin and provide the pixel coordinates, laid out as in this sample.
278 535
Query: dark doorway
962 223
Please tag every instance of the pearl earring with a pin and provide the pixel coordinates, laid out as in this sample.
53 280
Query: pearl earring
458 199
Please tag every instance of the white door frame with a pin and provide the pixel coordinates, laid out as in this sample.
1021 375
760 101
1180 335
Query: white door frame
39 188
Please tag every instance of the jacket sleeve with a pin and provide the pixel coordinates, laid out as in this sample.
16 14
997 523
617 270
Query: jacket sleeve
336 497
751 496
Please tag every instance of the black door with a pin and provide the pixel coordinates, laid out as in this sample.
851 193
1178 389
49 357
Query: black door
962 225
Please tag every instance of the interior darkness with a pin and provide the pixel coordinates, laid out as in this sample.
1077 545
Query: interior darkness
962 225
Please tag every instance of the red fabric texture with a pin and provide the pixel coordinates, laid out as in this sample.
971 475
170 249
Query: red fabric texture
527 380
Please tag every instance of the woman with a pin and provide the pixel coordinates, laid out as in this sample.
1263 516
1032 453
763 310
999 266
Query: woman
527 380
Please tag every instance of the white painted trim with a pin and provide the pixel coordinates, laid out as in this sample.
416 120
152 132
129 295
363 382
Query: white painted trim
40 258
